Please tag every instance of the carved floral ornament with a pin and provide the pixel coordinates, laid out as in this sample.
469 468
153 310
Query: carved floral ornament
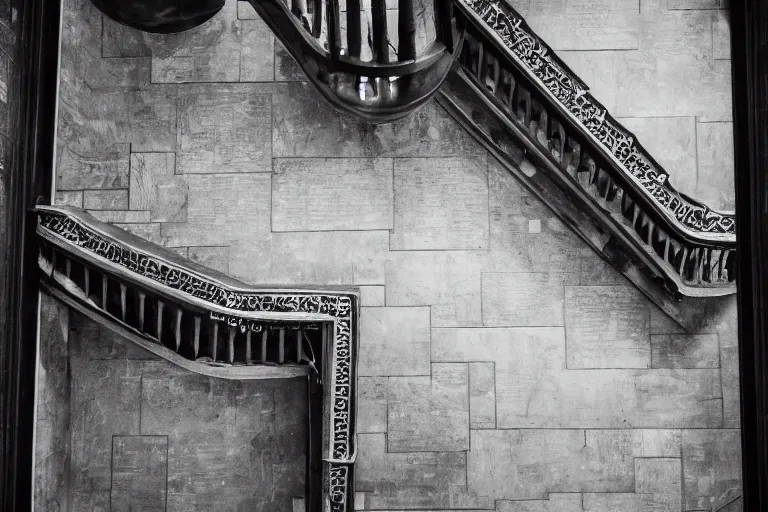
336 307
510 30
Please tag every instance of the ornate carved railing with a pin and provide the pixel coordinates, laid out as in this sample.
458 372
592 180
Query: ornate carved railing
508 82
214 325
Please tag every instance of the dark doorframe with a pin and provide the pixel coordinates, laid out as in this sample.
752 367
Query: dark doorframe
749 49
32 56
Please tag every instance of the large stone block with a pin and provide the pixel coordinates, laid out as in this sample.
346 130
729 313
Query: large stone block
429 414
530 464
301 128
696 4
53 433
524 299
226 435
331 194
96 501
223 132
596 272
721 35
685 351
317 258
628 502
659 476
658 443
570 502
216 257
372 395
69 198
586 25
515 245
149 231
92 167
106 199
729 373
176 402
394 341
441 203
607 327
685 33
105 402
448 281
208 53
648 83
373 296
154 186
534 390
716 161
711 467
482 395
394 481
607 398
139 472
118 40
102 343
672 142
257 58
486 344
222 209
121 216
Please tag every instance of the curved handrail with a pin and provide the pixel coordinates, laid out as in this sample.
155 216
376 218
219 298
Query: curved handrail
167 304
509 32
377 90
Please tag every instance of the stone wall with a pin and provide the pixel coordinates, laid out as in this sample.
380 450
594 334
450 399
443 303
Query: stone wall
119 429
502 365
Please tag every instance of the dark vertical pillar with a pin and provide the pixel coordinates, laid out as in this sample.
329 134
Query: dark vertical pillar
31 56
749 28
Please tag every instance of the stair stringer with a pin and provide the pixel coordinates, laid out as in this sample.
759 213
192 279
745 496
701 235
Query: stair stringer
533 169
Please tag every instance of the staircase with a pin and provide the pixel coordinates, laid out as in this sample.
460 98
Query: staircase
510 90
508 87
211 324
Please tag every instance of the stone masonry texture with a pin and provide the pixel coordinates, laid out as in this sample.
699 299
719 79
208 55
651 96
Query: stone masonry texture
503 366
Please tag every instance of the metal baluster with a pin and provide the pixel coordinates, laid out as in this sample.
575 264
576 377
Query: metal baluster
334 28
354 42
214 340
178 329
380 41
160 307
196 340
104 292
231 344
123 308
264 346
406 30
142 298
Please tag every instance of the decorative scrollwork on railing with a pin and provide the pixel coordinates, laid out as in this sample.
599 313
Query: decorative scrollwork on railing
75 249
508 29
